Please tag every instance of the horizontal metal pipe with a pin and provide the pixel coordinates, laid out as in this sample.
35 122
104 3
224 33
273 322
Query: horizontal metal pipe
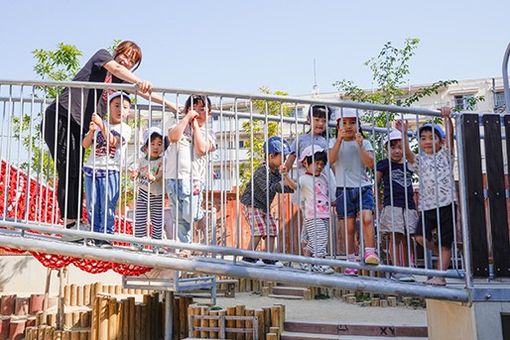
232 251
286 99
270 274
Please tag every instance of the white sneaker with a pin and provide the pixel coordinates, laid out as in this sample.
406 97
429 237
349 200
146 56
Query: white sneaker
72 238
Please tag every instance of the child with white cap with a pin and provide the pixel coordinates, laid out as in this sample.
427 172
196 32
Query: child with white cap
399 216
315 195
352 155
102 168
149 174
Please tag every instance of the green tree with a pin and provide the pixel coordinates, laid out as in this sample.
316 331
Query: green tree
60 64
258 128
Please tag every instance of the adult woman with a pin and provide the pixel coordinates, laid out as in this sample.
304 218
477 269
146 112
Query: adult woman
68 118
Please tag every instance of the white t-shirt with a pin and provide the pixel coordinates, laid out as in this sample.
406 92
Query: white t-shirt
350 172
436 179
181 160
112 157
315 196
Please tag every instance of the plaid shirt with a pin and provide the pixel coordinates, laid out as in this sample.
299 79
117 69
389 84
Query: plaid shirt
264 190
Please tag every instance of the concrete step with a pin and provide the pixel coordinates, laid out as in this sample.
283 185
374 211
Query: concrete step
285 290
285 297
355 329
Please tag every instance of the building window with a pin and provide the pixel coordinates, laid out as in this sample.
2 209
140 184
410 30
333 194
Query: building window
464 102
499 101
241 144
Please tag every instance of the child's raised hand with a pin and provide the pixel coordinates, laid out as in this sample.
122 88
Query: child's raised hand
341 133
92 127
359 139
191 115
151 177
402 125
446 112
283 169
96 120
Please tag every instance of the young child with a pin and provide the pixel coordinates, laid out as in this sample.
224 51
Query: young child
257 211
434 167
186 165
398 217
149 174
315 194
352 155
102 169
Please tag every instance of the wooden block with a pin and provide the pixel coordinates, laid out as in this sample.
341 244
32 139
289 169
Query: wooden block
375 302
138 321
113 326
392 301
282 314
111 289
267 318
123 314
383 303
204 322
86 295
79 296
307 294
272 336
75 335
275 316
266 291
213 323
7 304
74 295
76 319
4 328
183 304
17 329
22 305
275 330
66 335
67 295
68 321
248 323
84 335
231 311
131 318
240 323
39 319
259 313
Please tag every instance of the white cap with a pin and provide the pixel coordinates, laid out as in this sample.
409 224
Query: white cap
149 132
310 150
394 135
346 112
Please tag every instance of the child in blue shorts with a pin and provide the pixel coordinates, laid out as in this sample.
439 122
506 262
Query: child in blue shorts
351 155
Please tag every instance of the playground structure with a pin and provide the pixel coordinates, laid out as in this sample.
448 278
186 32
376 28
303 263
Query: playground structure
480 266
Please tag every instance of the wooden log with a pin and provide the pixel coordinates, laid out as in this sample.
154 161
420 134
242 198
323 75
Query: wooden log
75 335
276 313
147 320
76 319
272 336
143 321
240 323
267 318
282 314
74 295
138 291
4 327
84 335
275 330
98 288
176 326
94 323
191 312
17 329
118 290
86 295
79 296
68 321
249 323
375 302
182 325
49 333
213 323
138 322
39 319
131 318
204 311
383 303
259 313
85 319
392 301
123 320
155 317
196 323
66 335
103 318
231 311
113 326
58 335
111 289
67 295
266 291
21 305
36 303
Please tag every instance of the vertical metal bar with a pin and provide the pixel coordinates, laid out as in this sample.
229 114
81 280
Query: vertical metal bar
466 237
505 79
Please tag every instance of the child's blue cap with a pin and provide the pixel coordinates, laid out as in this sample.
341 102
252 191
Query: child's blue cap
276 144
124 95
433 126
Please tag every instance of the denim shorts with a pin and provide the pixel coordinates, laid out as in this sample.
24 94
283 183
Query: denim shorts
352 200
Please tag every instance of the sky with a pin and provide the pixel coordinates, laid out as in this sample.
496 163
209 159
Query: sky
239 46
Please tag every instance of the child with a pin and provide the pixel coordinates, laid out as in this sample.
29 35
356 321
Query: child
186 165
149 198
102 169
352 155
257 211
315 193
434 167
399 216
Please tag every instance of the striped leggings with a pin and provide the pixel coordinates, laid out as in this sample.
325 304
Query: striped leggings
315 234
145 205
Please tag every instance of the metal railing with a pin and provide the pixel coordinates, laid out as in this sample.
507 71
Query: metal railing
194 197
